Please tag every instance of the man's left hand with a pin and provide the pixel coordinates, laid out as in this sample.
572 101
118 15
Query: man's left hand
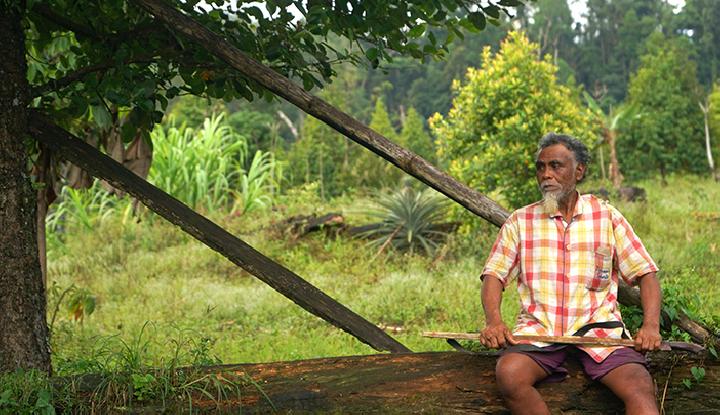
647 339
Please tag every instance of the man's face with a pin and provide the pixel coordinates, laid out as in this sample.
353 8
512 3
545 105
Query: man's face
557 172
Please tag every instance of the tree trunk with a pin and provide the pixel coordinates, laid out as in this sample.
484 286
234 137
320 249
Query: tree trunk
44 177
24 339
615 176
706 109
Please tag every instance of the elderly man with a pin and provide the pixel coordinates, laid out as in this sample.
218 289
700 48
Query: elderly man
567 252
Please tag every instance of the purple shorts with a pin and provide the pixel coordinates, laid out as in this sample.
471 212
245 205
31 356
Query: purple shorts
551 359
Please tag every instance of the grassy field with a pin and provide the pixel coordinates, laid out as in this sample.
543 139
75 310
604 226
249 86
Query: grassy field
161 295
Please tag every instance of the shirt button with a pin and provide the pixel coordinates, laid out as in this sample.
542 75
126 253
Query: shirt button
567 247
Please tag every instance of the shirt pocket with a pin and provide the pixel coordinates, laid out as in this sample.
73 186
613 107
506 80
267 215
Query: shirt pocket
599 280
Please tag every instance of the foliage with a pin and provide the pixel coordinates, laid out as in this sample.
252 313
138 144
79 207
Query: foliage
258 184
407 220
700 21
415 137
199 169
205 169
612 41
668 137
115 56
259 128
714 121
84 207
427 87
323 155
490 135
370 170
26 392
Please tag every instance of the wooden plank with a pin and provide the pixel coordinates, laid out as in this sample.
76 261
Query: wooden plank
280 278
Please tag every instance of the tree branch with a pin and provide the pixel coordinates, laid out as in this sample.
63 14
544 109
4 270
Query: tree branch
58 84
45 11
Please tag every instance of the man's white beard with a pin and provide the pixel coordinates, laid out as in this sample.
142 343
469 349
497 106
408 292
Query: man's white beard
550 201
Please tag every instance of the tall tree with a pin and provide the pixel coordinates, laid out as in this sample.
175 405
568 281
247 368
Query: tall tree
368 168
24 342
415 136
713 125
552 29
700 21
668 136
612 41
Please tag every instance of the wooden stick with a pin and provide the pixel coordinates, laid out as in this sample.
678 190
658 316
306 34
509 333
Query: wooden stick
585 341
588 341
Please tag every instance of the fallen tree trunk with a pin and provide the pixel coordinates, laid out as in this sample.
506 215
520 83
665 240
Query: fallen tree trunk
366 230
280 278
439 382
300 225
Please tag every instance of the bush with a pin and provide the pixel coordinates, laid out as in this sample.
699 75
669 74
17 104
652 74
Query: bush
490 136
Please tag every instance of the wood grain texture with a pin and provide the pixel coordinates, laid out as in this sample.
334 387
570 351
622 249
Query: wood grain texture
439 383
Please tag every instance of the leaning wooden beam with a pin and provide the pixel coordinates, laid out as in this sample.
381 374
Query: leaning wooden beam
407 161
280 278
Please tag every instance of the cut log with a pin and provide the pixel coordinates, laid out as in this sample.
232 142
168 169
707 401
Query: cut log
280 278
364 230
441 383
301 225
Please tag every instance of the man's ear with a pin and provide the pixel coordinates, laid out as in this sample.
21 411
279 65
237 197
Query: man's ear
580 171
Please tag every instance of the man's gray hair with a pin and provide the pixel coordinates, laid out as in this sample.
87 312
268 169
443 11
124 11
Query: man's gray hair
580 151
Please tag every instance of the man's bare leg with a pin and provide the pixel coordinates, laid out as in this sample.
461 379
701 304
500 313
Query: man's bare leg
633 384
516 376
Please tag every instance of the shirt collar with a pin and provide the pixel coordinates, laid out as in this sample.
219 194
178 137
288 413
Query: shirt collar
579 207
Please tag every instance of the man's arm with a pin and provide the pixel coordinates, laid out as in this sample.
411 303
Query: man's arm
648 337
495 334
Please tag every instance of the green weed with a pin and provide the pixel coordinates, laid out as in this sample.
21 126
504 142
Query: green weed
408 220
26 392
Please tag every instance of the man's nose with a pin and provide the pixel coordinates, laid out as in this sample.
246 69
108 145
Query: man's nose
544 173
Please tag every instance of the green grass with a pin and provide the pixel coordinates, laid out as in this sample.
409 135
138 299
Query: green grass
150 272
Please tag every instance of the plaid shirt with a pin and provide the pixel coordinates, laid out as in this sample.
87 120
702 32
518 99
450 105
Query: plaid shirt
567 273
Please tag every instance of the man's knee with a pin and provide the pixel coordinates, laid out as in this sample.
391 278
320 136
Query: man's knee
515 371
631 383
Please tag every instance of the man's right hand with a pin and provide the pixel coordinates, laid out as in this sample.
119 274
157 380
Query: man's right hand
496 336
